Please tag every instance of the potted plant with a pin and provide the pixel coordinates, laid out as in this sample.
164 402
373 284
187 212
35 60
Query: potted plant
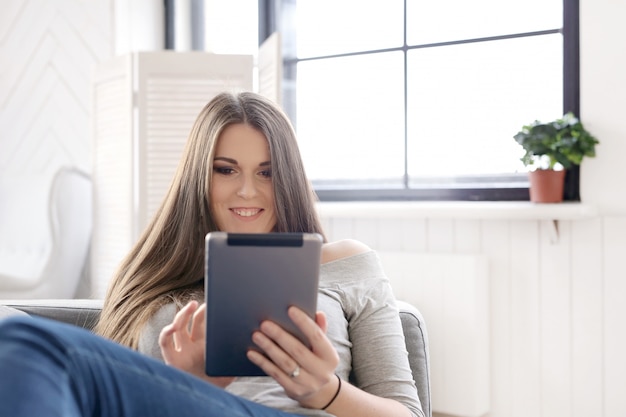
552 148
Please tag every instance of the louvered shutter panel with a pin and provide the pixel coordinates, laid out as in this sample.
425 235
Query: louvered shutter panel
144 106
270 68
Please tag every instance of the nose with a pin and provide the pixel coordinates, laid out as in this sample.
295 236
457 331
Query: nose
247 187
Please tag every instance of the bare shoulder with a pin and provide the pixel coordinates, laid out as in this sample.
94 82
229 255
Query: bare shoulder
342 249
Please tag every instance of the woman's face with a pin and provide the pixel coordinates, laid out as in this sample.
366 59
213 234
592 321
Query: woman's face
242 197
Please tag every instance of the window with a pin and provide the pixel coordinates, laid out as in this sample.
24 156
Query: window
415 99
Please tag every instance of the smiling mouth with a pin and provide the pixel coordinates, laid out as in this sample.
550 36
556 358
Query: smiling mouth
246 212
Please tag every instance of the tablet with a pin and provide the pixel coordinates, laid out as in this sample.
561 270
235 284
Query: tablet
250 278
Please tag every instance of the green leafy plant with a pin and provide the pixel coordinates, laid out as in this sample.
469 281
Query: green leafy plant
563 141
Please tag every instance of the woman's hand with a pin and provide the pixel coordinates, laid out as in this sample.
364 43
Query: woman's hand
182 343
308 376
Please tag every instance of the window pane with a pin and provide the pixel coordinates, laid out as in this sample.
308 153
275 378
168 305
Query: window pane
431 21
465 103
328 27
350 118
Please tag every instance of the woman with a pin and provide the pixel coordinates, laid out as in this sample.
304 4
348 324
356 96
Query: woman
241 172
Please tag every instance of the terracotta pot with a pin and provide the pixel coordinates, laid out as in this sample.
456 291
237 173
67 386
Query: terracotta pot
546 185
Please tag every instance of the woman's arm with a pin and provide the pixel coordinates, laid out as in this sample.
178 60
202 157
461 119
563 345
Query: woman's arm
316 384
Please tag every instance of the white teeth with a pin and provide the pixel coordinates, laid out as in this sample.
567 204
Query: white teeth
246 212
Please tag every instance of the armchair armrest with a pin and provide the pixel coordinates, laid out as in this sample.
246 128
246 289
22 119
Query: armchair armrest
83 313
416 339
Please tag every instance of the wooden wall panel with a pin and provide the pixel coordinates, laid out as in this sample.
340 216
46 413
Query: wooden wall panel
452 292
413 233
341 228
366 230
614 245
440 235
52 46
525 320
587 314
467 236
496 243
555 319
390 236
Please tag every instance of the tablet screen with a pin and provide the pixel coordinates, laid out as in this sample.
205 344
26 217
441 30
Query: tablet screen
250 278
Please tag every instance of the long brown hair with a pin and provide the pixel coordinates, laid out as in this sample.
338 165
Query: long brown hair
167 262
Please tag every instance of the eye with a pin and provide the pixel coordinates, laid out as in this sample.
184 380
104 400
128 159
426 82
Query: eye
223 170
266 173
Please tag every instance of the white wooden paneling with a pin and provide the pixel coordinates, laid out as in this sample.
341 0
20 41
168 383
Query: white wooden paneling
467 236
366 230
587 314
326 223
614 231
525 320
452 294
440 235
555 319
496 243
413 234
390 237
341 228
50 48
271 69
113 198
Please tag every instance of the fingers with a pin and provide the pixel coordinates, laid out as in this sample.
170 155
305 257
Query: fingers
276 362
174 335
284 352
198 329
183 342
315 332
320 319
181 319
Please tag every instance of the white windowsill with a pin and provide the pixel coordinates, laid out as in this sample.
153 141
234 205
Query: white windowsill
457 210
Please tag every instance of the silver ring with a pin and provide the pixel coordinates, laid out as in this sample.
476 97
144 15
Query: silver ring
295 372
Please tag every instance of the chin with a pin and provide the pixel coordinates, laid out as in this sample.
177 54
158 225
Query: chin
248 230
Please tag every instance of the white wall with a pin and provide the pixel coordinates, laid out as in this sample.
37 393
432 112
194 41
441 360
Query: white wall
603 101
556 307
138 25
48 49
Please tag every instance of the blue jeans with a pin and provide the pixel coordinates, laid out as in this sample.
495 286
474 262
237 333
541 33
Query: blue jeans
51 369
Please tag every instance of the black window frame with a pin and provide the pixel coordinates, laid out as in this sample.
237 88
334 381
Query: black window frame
270 21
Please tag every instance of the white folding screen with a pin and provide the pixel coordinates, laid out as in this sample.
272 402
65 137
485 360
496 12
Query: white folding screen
270 68
144 106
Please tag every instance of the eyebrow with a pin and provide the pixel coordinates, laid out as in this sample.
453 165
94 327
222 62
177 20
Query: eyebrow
234 162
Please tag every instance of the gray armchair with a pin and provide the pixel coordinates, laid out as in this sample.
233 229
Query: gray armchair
84 313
